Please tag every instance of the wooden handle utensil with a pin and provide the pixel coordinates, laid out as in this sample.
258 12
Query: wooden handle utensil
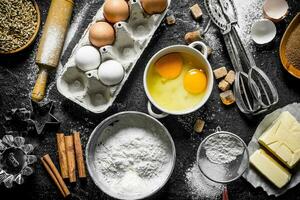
39 90
51 43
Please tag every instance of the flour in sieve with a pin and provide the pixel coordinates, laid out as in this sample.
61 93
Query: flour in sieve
223 148
133 161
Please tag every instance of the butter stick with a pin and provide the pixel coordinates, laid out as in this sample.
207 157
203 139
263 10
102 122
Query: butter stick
282 139
271 169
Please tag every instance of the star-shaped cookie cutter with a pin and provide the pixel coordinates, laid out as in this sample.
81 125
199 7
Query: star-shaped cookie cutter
39 119
42 115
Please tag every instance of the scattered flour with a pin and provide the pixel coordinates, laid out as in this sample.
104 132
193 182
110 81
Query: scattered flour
76 22
223 148
248 11
73 28
199 186
133 161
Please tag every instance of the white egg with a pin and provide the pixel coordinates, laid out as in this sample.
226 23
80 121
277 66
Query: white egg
87 58
263 31
111 72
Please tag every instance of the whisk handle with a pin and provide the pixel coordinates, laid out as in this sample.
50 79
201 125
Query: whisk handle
242 50
233 53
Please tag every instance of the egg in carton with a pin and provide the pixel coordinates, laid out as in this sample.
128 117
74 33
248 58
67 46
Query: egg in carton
94 80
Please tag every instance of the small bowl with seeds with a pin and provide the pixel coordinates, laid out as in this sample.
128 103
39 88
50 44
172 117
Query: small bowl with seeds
19 24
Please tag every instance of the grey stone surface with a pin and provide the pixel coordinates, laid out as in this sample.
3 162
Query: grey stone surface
17 75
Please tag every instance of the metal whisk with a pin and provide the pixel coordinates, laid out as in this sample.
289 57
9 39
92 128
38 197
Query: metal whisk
255 93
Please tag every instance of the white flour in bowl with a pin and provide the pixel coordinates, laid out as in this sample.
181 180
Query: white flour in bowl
133 161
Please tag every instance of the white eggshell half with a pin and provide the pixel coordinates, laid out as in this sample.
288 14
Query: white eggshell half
87 58
275 9
263 31
111 72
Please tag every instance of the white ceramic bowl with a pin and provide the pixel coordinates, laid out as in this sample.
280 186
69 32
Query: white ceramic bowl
192 50
263 31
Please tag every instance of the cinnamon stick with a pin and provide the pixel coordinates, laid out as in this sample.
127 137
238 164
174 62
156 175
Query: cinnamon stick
61 148
79 155
54 174
70 157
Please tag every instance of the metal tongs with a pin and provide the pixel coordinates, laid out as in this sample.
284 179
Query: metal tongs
254 91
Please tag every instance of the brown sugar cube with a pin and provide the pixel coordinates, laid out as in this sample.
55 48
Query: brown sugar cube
227 97
170 20
196 11
230 77
220 72
199 125
223 85
209 51
192 36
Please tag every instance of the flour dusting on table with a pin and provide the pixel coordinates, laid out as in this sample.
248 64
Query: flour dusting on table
248 11
201 187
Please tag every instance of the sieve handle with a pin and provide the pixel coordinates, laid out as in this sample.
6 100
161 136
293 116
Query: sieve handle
225 193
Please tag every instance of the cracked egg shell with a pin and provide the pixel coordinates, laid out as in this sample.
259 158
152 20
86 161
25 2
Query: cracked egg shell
275 10
154 6
115 10
263 31
111 72
87 58
101 34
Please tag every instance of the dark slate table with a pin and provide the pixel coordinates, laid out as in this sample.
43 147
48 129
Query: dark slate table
17 75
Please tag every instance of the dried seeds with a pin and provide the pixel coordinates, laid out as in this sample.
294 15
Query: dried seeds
18 22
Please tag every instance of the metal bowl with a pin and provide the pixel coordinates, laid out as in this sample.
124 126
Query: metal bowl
126 119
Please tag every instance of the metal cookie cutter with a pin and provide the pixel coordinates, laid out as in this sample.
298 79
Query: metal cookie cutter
15 159
37 121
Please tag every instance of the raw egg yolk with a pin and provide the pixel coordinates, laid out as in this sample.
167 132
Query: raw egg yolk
169 66
195 81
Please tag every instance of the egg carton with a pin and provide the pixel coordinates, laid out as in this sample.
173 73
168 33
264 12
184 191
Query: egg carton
132 37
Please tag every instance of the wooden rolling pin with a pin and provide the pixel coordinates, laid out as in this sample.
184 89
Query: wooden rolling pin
51 43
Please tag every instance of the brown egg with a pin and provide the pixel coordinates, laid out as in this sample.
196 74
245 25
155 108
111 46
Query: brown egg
154 6
115 10
101 34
